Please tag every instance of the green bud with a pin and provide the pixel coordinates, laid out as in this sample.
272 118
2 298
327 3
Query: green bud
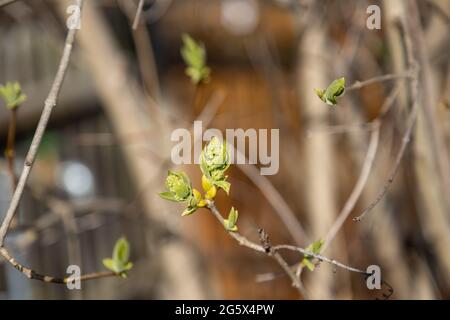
194 55
335 89
230 223
215 155
12 94
178 186
214 161
315 248
119 263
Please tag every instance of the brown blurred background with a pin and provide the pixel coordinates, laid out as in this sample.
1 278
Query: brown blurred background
107 150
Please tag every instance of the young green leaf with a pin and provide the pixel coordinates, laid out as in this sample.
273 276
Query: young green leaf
335 89
189 210
230 223
315 248
121 252
178 186
12 94
194 55
119 263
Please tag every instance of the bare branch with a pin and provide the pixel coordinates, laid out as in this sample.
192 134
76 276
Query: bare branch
272 251
4 3
414 67
138 14
387 77
365 171
50 103
31 274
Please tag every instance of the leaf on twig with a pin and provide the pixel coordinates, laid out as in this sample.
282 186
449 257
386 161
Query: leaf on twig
335 89
315 248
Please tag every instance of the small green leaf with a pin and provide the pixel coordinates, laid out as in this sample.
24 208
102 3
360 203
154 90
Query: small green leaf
194 55
230 223
121 252
119 263
109 264
178 186
168 196
335 89
308 264
128 266
315 248
225 185
189 210
12 94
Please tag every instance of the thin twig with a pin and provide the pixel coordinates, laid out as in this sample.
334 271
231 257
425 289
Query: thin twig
138 14
275 199
50 103
359 84
319 257
272 251
4 3
405 140
365 171
357 190
31 274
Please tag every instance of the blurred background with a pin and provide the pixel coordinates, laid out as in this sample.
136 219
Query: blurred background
107 150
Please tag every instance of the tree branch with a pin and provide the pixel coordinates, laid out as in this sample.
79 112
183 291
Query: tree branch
4 3
32 275
365 171
414 71
50 103
387 77
138 14
272 251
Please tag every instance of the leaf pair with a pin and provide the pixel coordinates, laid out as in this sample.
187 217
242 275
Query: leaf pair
194 55
119 263
315 248
335 89
12 95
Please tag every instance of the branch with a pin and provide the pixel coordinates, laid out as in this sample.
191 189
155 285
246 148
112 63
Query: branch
357 190
359 84
50 103
414 67
4 3
138 14
31 274
365 171
272 251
